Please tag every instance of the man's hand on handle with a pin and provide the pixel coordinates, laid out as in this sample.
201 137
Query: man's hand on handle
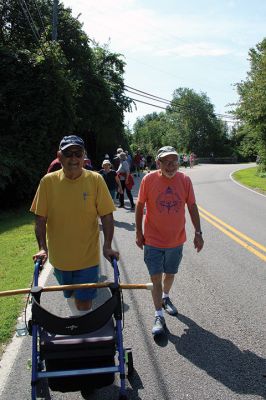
41 254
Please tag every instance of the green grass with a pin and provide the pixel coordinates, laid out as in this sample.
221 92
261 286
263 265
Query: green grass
249 178
17 245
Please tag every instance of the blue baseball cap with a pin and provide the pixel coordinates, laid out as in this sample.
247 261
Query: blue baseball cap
71 140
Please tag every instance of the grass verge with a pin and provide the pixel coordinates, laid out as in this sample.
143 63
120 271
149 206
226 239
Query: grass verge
17 244
249 178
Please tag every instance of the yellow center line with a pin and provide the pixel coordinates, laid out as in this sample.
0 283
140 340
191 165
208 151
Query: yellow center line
240 234
211 219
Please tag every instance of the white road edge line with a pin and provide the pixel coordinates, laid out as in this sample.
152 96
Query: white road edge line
243 186
11 351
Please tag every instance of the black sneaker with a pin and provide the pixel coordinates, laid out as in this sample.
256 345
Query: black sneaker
169 307
158 326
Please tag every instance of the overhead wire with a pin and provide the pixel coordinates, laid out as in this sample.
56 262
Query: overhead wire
29 18
150 96
39 14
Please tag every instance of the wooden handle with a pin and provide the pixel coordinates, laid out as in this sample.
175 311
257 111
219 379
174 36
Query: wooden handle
14 292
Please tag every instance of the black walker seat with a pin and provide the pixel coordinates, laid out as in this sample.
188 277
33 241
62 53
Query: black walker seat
79 352
77 342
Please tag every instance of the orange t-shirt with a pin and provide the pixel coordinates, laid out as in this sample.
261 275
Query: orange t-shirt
165 199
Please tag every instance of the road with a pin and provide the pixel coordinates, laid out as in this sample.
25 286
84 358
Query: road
216 346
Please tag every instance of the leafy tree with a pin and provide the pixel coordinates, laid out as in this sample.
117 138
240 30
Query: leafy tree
50 90
189 124
251 109
150 133
196 126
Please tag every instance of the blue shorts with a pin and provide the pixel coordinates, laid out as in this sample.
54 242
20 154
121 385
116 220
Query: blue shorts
87 275
160 261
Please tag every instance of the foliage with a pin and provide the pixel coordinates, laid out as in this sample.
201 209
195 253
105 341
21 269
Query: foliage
196 126
189 124
51 89
251 109
250 177
17 244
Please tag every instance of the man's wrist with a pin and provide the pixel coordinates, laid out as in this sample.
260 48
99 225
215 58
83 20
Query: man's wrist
198 233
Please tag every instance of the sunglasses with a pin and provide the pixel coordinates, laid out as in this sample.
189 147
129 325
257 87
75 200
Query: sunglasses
69 153
169 163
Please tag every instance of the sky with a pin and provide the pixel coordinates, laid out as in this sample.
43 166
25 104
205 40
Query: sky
166 44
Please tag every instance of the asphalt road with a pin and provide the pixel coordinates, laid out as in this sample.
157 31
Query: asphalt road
216 347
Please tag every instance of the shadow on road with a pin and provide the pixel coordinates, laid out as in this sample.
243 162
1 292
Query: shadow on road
125 225
241 371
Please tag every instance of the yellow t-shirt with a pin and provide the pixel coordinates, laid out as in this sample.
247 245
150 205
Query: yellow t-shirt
72 208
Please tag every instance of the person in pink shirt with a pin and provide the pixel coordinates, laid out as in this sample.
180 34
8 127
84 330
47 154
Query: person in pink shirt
165 193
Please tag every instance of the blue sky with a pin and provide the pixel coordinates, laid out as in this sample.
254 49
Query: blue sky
166 44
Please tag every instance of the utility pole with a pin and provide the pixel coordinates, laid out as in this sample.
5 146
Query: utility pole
55 20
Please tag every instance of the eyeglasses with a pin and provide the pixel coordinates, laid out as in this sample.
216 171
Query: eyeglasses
69 153
169 163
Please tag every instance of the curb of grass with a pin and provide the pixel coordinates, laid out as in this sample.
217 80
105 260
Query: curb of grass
244 186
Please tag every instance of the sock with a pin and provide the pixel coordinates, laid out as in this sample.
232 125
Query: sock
159 313
72 305
165 295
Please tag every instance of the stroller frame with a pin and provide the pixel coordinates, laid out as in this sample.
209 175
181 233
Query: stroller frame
43 322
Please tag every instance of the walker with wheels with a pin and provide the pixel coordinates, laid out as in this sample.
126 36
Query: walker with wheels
79 352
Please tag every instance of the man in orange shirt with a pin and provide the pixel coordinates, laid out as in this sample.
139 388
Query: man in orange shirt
165 193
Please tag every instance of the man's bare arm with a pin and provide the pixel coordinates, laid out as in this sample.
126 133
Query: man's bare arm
108 233
40 233
195 218
138 220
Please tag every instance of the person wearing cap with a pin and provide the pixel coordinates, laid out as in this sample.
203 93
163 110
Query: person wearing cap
87 162
125 178
165 192
116 159
67 205
111 178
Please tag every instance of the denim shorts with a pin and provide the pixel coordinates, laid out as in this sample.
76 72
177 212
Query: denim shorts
87 275
160 261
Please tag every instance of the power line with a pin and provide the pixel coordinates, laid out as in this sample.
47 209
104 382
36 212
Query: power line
29 19
39 14
157 97
150 96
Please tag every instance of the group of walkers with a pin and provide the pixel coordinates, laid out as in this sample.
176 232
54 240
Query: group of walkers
187 159
69 202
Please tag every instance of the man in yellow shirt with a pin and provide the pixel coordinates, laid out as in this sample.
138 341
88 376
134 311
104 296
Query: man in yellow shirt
67 205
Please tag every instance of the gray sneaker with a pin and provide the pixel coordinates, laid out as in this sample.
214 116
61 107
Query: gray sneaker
169 307
158 326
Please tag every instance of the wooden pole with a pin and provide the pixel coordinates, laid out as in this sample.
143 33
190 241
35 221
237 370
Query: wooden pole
14 292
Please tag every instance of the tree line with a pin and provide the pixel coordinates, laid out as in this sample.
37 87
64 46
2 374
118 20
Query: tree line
51 89
74 85
191 125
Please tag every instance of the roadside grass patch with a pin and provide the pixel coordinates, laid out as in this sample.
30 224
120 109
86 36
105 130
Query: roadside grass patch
249 177
17 245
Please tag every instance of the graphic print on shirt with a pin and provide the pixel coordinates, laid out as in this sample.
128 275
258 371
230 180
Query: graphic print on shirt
85 195
168 201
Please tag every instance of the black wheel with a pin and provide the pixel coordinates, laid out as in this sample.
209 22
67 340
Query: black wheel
129 362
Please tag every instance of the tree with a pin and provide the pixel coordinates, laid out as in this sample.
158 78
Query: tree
189 124
149 133
196 126
251 108
49 90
